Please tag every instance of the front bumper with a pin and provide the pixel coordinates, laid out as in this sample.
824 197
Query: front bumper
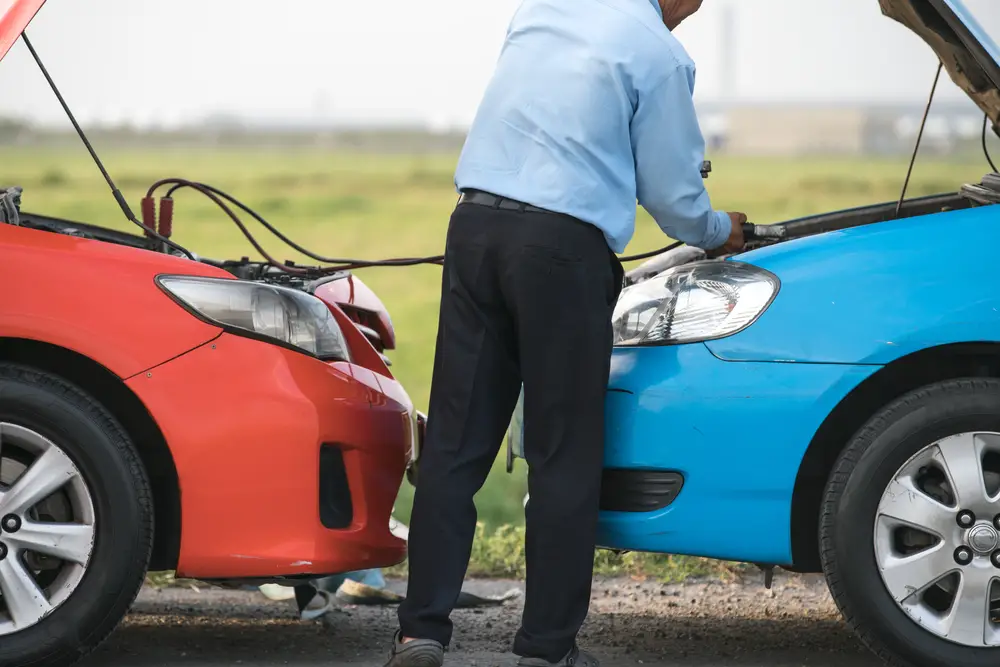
287 466
706 452
735 432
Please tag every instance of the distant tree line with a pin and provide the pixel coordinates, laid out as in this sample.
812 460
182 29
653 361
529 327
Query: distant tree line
378 140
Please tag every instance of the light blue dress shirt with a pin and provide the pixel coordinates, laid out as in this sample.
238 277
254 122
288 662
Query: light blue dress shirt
590 110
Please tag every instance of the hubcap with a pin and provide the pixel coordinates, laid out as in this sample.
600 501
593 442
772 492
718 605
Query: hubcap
47 529
983 539
936 542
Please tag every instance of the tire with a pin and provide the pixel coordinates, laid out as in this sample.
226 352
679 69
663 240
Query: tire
862 522
103 463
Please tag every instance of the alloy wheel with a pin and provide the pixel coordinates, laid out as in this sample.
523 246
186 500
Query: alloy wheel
937 538
47 527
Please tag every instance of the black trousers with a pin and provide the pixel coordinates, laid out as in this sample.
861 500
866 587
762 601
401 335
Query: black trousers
526 297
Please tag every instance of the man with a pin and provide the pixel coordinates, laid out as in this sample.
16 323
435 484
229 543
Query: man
589 110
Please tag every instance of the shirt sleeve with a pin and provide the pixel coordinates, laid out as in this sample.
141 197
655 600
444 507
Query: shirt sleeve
669 148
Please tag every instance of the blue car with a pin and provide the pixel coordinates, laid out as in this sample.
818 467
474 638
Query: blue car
829 400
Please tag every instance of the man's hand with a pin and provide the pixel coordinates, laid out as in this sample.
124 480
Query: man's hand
736 242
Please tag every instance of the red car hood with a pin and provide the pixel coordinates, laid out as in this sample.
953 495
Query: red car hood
15 15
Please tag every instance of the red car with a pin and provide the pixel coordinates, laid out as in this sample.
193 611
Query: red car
231 421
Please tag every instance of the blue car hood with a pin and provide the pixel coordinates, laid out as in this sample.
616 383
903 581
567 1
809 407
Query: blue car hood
968 53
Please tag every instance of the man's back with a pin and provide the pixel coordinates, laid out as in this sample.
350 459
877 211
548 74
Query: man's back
555 125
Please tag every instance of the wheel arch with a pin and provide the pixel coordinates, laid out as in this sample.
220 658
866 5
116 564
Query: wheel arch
894 380
108 389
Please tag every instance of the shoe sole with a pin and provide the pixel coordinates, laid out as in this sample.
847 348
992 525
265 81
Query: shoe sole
418 656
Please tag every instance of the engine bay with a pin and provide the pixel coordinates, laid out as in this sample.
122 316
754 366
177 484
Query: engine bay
301 277
970 195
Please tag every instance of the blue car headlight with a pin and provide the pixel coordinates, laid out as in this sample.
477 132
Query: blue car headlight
696 302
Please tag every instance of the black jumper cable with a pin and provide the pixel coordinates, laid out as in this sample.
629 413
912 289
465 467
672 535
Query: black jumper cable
159 232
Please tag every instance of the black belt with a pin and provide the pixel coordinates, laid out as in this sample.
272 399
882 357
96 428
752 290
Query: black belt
481 198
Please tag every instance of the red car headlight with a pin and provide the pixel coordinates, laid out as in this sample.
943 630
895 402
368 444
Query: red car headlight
278 315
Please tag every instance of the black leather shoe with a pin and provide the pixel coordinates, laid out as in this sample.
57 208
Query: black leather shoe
417 653
575 658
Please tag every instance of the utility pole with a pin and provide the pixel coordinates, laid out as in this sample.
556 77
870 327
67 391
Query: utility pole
730 73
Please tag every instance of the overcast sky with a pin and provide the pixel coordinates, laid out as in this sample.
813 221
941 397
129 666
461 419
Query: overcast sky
416 60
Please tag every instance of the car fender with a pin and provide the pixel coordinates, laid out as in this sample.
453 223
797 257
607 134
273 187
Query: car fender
96 299
873 294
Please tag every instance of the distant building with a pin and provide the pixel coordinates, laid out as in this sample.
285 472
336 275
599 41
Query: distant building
835 129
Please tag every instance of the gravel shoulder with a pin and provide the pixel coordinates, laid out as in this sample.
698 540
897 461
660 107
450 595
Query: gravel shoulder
706 624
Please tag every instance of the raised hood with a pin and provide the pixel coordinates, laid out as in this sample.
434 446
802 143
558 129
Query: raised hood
15 15
969 54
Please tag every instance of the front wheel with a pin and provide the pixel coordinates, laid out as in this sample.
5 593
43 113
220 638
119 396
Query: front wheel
910 528
75 521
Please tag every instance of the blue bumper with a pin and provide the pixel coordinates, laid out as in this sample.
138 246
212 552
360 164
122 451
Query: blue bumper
736 431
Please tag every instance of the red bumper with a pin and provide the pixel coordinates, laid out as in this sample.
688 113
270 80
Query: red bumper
246 423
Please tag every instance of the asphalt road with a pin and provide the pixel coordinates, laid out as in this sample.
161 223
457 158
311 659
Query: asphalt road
701 624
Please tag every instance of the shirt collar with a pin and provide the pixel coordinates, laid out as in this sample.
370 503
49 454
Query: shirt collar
656 6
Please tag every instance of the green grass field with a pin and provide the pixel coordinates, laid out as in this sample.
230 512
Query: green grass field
395 206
